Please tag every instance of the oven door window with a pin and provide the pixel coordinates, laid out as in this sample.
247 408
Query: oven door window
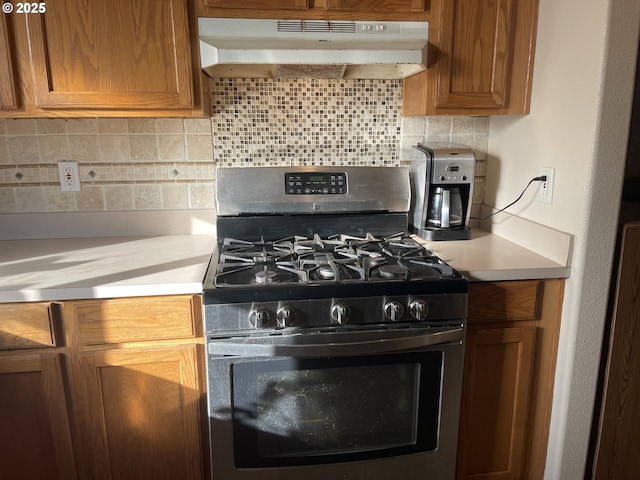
297 412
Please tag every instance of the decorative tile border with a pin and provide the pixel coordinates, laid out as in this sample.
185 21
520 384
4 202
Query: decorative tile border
169 163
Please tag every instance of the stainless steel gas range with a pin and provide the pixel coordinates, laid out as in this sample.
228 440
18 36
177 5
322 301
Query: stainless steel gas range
335 341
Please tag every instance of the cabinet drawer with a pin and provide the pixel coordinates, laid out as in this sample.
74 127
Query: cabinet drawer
505 301
25 325
133 319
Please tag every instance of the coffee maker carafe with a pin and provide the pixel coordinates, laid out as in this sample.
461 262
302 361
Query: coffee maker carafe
441 191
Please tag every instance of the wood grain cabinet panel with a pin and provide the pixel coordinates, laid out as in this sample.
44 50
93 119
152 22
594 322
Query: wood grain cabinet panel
8 88
114 52
616 449
130 373
512 341
475 53
26 325
392 10
495 402
505 301
258 4
109 58
480 59
35 438
143 420
389 6
132 319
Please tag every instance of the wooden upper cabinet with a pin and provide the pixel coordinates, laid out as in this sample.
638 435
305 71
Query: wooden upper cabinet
108 54
8 90
389 6
480 60
475 44
258 4
317 9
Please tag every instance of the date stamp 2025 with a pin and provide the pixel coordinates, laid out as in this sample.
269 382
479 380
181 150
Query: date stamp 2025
20 7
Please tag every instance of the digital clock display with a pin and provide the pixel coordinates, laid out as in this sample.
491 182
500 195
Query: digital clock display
315 183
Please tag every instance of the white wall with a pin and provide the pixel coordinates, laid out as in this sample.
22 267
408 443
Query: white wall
581 104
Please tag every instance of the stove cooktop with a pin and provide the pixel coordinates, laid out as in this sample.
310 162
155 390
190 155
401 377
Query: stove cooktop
268 269
341 258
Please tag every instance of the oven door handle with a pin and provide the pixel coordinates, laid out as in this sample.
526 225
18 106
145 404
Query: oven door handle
276 346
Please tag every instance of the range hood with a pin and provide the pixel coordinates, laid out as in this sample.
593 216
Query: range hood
263 48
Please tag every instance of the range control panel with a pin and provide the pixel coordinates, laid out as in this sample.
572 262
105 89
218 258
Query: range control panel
315 183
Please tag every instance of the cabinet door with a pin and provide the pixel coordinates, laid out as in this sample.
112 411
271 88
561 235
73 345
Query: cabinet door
35 439
8 91
475 43
393 6
495 399
143 418
480 59
110 54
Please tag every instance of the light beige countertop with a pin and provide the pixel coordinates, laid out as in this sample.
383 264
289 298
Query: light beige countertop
489 257
105 267
129 266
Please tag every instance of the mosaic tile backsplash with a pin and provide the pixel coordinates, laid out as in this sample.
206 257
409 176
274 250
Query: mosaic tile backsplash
306 122
169 163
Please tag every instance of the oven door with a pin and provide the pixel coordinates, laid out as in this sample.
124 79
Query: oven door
374 404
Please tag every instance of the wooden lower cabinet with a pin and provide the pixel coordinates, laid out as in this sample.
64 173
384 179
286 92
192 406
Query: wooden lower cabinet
495 402
143 418
512 338
102 389
77 400
35 438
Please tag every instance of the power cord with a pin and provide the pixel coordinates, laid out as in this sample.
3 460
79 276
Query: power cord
542 178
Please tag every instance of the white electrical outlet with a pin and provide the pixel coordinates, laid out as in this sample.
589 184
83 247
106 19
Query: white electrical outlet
545 191
69 176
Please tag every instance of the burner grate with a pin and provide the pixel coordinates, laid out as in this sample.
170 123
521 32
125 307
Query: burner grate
337 258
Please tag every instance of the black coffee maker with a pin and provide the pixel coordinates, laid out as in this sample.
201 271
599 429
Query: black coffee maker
441 191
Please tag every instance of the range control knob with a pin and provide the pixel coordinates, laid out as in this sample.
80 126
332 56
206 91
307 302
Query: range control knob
393 311
340 313
419 310
258 317
285 316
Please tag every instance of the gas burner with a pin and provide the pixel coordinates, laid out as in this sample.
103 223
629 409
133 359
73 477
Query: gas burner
391 271
326 272
265 276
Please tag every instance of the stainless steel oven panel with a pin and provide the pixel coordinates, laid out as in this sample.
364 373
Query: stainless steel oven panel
333 344
368 189
434 465
235 317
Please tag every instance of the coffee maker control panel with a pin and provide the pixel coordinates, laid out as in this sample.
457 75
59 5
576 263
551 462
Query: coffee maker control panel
453 171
